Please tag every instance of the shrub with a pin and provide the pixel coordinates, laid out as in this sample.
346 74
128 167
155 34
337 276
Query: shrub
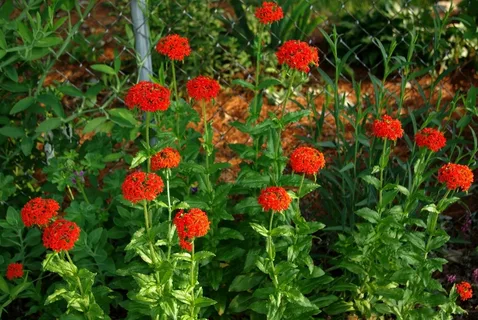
136 222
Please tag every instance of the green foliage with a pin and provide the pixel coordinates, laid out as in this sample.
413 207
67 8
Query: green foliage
208 35
375 253
443 37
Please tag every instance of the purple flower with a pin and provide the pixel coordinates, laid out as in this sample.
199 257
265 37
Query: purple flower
80 175
451 278
465 228
475 275
194 190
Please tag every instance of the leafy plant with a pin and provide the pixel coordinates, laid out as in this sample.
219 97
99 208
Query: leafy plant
152 228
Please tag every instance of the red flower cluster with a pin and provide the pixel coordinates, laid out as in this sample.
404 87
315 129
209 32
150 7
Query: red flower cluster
274 198
307 160
298 55
191 225
39 212
456 176
430 138
464 290
165 159
387 128
174 47
269 12
139 186
61 235
14 270
148 96
203 88
186 245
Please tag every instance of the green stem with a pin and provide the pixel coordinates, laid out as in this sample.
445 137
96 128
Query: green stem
65 44
288 93
258 57
22 245
298 194
432 228
269 252
417 180
80 286
382 161
146 216
280 129
83 193
148 228
206 146
175 88
71 193
170 235
148 120
193 283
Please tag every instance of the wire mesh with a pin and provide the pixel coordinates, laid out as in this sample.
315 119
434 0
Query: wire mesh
111 22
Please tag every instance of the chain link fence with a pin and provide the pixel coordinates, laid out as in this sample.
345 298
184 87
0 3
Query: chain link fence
221 34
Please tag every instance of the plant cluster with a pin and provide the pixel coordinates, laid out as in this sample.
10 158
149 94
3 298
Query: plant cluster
136 223
446 37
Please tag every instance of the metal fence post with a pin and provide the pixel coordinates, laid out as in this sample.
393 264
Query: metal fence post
141 31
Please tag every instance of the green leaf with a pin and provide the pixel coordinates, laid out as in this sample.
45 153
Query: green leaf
48 42
123 117
403 275
7 187
248 205
307 188
48 125
4 285
203 255
38 53
382 308
93 124
21 105
245 282
13 217
294 116
283 231
243 83
267 83
371 180
416 240
403 190
15 291
353 267
24 32
26 146
240 303
11 72
139 158
390 293
113 157
228 233
203 302
103 68
252 179
182 296
322 302
52 102
260 229
3 43
339 307
12 132
368 214
70 91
